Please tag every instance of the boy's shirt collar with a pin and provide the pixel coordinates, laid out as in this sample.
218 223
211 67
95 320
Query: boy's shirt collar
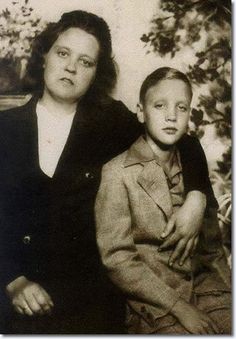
140 152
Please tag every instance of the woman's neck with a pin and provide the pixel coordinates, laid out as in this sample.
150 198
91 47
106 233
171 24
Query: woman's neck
56 107
165 154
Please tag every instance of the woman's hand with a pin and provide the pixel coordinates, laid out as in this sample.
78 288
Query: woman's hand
28 297
184 226
194 320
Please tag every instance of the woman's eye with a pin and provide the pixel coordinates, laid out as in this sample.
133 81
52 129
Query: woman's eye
62 54
87 63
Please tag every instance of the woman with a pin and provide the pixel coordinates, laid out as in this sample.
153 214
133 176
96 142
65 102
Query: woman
51 153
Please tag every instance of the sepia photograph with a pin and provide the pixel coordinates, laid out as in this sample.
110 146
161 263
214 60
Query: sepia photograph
115 167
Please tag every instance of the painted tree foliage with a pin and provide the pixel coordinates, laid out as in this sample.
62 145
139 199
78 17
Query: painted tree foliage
205 27
18 27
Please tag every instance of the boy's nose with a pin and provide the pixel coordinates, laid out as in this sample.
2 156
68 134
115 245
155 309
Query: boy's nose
171 115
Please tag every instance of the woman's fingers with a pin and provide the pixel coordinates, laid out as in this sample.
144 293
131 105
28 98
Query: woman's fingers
44 301
177 252
169 227
32 300
27 309
170 241
187 251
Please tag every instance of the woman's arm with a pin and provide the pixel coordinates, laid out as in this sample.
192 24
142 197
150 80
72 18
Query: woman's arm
195 169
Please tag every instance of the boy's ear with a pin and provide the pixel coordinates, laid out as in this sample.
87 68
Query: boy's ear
140 113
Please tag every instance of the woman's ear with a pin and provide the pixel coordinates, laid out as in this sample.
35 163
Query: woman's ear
140 114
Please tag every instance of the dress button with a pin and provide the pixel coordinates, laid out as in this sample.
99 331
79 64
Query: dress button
89 175
26 239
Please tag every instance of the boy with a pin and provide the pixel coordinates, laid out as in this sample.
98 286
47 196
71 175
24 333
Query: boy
140 191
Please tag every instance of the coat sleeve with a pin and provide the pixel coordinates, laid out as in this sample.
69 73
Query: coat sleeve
10 261
195 169
119 254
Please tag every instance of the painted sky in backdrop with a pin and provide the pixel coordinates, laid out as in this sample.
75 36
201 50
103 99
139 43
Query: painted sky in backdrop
128 20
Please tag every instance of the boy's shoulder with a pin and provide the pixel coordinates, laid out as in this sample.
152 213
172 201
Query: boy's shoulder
138 153
116 162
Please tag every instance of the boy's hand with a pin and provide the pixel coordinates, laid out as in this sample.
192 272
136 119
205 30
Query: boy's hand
184 226
28 297
194 320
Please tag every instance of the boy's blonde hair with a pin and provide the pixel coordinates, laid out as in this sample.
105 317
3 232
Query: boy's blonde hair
163 73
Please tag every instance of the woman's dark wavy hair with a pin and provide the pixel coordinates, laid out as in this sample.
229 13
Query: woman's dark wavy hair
162 73
106 75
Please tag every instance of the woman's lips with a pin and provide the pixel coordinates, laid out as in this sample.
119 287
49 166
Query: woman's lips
67 81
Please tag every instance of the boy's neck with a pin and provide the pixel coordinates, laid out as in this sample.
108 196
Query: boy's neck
165 154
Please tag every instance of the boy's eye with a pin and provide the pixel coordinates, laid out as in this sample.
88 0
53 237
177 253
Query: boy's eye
182 108
159 105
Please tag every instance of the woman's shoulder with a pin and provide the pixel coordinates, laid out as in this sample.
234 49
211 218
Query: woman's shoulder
16 120
16 113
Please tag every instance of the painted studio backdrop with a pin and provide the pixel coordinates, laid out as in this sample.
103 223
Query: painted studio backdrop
192 35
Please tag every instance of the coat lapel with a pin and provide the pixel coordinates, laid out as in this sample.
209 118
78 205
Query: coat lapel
152 179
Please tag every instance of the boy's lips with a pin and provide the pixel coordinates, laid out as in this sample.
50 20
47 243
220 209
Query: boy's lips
170 130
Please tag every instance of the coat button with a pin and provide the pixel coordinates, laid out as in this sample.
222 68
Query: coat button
188 277
26 239
89 175
143 309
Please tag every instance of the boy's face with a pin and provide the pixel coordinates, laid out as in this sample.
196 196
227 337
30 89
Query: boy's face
166 110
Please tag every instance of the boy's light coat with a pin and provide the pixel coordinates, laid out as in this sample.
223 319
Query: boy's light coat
132 209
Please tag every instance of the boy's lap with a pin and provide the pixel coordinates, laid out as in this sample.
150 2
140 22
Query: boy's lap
218 307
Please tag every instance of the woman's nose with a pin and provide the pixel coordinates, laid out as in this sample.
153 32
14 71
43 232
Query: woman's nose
71 65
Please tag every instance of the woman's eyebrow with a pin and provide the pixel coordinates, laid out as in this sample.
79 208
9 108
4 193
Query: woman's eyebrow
62 46
81 55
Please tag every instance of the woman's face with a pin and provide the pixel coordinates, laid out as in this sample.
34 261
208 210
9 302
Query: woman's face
70 65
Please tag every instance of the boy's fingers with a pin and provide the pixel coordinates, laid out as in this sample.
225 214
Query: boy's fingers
187 251
169 241
169 227
177 252
215 328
